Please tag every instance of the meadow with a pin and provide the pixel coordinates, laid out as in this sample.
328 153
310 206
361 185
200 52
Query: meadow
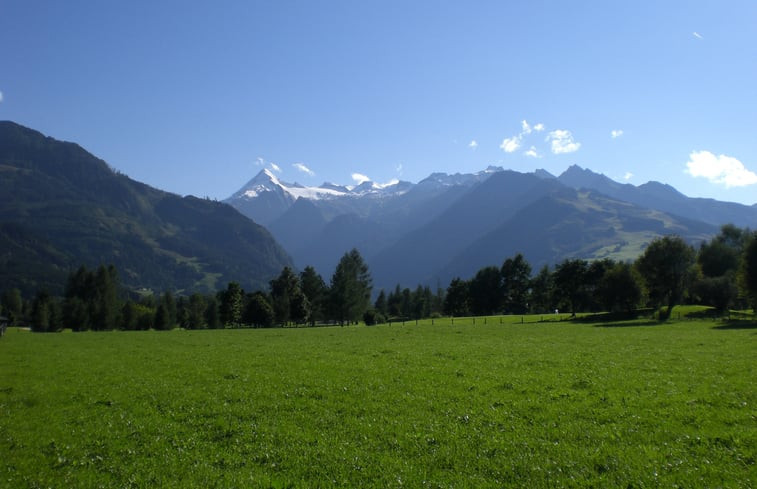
553 404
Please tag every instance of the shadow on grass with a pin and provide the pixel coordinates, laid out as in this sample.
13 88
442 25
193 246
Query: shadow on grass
705 314
737 324
630 324
617 320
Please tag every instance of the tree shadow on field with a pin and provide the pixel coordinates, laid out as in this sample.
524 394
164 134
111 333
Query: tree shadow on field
631 324
737 324
617 320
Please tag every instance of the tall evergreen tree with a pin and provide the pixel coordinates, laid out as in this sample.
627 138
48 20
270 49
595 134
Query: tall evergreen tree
350 288
406 306
170 309
420 304
316 292
43 313
212 315
541 291
106 307
381 305
394 302
231 304
196 312
162 320
259 311
284 288
13 306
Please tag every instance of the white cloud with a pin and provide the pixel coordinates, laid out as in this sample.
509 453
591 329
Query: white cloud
259 161
304 169
562 142
721 169
628 176
398 169
532 153
697 35
360 178
275 167
616 133
1 96
510 145
473 144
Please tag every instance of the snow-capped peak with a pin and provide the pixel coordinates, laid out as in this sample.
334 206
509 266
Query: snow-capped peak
267 181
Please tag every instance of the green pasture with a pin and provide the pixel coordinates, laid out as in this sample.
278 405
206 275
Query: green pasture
540 404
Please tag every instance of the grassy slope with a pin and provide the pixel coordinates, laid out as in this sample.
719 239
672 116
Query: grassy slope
537 405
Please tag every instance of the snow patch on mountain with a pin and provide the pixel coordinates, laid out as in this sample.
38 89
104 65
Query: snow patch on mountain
267 181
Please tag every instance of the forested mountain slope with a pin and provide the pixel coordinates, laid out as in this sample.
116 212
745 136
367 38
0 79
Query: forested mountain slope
61 207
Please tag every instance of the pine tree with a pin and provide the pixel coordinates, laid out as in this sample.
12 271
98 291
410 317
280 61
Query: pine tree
196 308
212 315
350 288
13 306
230 308
315 291
381 305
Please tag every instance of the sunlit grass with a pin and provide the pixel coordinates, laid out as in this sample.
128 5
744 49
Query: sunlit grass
538 404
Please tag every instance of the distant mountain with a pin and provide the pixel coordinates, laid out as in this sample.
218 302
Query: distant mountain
567 223
265 198
317 225
423 252
452 225
655 195
61 207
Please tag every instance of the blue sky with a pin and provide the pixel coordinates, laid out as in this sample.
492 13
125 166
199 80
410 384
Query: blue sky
196 97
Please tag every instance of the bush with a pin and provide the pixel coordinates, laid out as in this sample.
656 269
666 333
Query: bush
372 317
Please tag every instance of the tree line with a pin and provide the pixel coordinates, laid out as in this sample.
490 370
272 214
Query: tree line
721 273
94 300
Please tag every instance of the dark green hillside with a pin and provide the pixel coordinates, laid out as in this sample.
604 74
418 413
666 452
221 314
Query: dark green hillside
61 207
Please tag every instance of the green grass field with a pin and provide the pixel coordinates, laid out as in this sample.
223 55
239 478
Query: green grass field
563 404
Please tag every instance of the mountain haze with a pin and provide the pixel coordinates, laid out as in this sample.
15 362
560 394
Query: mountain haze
451 225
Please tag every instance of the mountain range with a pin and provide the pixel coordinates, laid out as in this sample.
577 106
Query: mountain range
451 225
61 207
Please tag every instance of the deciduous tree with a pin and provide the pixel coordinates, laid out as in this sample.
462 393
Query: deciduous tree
486 291
749 269
620 288
570 284
516 282
666 266
457 299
